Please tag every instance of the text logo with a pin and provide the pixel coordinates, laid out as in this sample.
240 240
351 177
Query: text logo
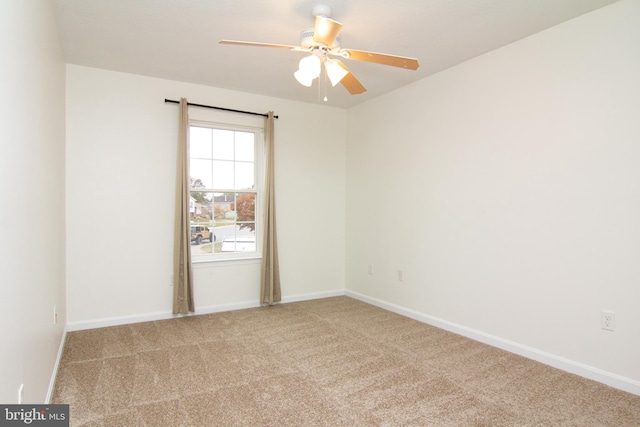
34 415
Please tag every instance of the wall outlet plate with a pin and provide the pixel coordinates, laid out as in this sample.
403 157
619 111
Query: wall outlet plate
608 320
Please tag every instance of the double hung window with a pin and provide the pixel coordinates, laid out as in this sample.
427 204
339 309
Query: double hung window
225 184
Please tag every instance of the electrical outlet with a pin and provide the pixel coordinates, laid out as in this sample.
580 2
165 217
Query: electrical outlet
608 320
21 394
370 269
400 276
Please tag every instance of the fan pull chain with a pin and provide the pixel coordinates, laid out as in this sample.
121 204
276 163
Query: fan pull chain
319 87
325 99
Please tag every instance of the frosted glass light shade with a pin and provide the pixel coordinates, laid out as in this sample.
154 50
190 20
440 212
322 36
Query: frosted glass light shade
309 68
310 65
303 78
334 71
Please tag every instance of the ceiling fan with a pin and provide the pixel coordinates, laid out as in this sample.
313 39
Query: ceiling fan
323 44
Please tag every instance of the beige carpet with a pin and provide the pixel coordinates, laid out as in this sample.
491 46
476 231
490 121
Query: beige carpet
334 362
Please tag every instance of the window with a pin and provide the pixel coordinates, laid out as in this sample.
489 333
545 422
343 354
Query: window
224 192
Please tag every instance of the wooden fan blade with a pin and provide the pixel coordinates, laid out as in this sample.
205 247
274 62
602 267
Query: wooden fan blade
384 59
349 81
255 44
326 30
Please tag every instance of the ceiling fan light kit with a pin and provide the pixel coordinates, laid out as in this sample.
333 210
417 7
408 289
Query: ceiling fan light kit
323 41
310 68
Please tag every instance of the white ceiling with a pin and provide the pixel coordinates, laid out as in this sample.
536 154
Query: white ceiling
178 39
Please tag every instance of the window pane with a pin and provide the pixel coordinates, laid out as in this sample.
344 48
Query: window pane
224 208
200 143
202 237
200 171
236 240
238 244
245 146
246 209
244 179
222 144
200 207
222 174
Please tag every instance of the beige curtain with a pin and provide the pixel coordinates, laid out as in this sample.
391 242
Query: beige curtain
182 275
270 275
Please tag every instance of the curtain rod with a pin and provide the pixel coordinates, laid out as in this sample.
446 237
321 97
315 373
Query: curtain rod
220 108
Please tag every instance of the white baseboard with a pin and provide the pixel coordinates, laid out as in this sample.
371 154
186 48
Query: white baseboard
56 366
149 317
116 321
314 295
586 371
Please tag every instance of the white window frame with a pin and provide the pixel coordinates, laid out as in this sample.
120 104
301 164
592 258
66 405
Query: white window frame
259 182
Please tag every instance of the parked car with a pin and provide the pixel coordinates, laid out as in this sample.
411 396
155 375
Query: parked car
200 233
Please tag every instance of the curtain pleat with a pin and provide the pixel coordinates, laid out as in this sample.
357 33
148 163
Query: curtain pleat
182 273
270 272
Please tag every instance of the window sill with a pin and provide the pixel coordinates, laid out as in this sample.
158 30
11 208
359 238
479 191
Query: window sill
221 262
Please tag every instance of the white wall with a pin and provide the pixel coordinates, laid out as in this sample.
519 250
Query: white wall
121 139
32 189
507 189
